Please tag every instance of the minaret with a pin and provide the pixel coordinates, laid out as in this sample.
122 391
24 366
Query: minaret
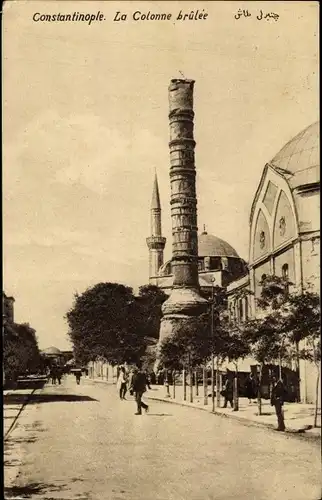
155 242
185 300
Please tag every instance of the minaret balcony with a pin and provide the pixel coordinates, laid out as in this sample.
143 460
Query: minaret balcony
156 242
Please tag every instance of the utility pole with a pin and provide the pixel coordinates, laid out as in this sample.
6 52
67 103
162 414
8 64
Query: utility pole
3 370
212 350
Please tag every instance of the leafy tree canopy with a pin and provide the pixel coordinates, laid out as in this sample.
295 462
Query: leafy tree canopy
20 350
190 344
110 322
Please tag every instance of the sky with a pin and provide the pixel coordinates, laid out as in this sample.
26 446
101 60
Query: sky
85 127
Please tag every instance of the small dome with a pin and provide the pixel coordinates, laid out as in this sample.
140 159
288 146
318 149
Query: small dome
212 246
299 159
52 350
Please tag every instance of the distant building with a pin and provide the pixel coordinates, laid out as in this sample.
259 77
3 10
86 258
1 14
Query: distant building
7 308
53 354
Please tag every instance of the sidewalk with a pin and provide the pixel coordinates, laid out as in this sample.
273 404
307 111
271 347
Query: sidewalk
14 401
298 416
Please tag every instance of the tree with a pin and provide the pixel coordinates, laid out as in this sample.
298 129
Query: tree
267 335
189 346
20 351
107 321
303 326
233 346
264 338
151 298
293 318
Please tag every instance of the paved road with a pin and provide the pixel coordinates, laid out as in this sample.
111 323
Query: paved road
82 443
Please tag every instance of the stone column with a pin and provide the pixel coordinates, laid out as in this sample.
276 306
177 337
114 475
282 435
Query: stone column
185 300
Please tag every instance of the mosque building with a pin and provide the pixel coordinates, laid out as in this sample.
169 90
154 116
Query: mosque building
284 229
218 261
284 236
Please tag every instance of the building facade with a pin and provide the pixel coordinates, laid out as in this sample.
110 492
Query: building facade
284 232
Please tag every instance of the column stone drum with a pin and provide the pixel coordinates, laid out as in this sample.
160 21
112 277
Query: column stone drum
185 300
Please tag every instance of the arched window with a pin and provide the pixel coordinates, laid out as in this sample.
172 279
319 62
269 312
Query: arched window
263 278
200 265
285 275
285 271
246 307
240 310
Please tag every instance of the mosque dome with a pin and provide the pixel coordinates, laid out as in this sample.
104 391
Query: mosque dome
52 351
299 159
212 246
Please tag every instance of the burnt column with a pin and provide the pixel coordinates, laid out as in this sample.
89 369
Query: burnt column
185 300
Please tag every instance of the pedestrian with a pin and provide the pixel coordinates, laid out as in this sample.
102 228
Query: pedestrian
59 375
148 380
78 375
227 392
277 400
139 384
122 383
53 375
130 380
250 387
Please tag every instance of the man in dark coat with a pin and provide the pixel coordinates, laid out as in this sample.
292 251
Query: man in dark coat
227 391
250 386
139 384
277 400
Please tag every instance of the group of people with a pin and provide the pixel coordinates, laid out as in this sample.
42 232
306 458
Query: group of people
278 392
56 374
136 382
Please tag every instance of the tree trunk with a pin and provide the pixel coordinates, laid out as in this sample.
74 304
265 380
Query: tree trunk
212 383
191 385
298 392
166 383
217 384
235 393
196 383
259 391
205 386
315 423
184 385
174 383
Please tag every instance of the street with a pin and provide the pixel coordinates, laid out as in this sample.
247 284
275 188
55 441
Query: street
83 443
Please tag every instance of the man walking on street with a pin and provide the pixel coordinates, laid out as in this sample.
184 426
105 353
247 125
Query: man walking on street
277 400
139 384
